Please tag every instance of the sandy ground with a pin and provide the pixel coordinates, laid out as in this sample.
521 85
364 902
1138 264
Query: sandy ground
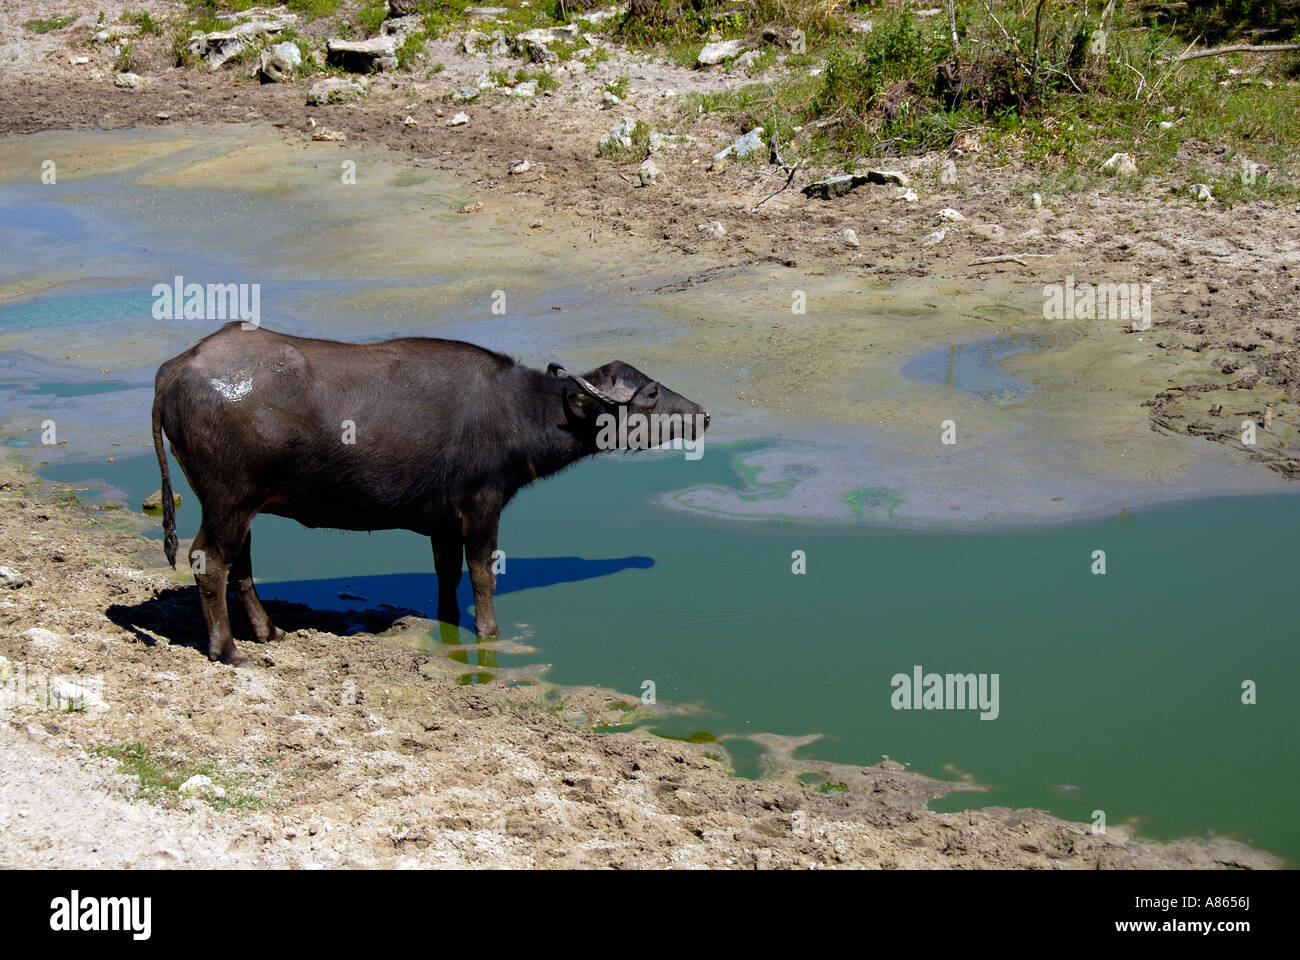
344 745
347 745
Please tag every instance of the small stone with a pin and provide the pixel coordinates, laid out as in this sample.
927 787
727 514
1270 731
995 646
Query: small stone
1036 201
714 53
411 122
650 174
459 120
154 501
128 81
713 228
937 237
336 136
743 147
668 141
619 136
951 215
1120 164
536 225
336 90
196 784
363 56
42 637
850 238
465 94
11 578
1201 192
523 166
67 695
279 63
895 177
907 195
474 207
526 89
609 99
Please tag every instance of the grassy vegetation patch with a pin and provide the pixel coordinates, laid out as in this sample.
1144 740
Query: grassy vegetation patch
161 780
41 25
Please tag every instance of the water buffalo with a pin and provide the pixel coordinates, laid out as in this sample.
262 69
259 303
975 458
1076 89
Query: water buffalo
433 436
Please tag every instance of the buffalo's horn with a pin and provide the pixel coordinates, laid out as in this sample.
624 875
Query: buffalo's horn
555 370
599 394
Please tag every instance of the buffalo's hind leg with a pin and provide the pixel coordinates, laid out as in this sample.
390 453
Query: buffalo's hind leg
215 549
241 575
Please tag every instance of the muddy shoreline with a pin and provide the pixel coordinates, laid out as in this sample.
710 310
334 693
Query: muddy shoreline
344 745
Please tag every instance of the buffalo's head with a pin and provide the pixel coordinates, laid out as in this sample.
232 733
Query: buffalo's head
620 408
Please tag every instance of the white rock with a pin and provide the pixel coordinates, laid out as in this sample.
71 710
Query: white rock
951 215
619 136
459 120
67 695
523 166
743 147
196 784
128 81
937 237
850 238
42 637
668 141
715 53
12 579
906 194
526 89
1120 164
713 228
650 174
336 90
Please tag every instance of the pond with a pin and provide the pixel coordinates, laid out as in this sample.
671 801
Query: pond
794 579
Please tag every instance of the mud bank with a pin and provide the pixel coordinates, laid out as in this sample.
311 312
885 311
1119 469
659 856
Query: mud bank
344 745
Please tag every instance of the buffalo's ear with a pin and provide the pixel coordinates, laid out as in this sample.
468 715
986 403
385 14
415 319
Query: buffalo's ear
582 403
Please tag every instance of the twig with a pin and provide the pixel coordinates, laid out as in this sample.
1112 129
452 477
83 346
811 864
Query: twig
952 25
1238 48
780 163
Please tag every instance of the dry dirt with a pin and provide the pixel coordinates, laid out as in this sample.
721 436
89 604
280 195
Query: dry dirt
347 745
344 745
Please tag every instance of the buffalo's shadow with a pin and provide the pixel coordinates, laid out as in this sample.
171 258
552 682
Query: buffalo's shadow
348 605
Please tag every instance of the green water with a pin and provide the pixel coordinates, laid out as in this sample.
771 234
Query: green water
1119 692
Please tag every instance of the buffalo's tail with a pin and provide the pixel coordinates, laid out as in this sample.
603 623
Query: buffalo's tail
168 505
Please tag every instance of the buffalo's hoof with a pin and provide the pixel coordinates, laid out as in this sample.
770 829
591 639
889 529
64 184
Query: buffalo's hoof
233 657
275 634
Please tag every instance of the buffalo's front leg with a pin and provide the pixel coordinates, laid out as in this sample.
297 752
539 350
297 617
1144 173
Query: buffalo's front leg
448 554
479 546
241 575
